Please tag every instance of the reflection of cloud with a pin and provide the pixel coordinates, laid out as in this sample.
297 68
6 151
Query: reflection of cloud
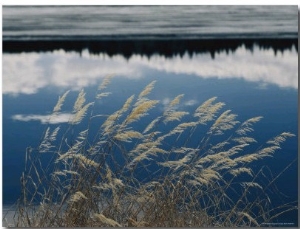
191 102
28 73
262 86
21 74
44 119
166 101
259 66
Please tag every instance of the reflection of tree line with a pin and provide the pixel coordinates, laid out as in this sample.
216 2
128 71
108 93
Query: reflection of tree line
165 47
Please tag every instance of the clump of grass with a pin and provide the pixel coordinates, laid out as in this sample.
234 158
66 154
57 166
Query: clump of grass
127 176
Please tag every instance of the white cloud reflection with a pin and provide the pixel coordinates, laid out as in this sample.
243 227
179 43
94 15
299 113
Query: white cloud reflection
44 119
27 73
190 102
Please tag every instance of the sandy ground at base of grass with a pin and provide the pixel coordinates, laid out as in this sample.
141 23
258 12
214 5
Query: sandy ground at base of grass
8 213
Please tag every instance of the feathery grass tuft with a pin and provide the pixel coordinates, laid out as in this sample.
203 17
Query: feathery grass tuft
60 102
119 176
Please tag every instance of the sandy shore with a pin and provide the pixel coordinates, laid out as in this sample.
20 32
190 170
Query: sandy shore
8 213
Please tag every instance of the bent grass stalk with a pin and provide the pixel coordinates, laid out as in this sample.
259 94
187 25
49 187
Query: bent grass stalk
94 180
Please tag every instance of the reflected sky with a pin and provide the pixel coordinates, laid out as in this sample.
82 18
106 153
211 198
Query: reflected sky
257 83
27 73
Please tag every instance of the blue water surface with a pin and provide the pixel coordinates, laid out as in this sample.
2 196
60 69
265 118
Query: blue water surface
257 83
253 79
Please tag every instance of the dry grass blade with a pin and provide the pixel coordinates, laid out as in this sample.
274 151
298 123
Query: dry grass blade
128 135
206 112
247 125
172 104
280 138
46 144
251 184
249 217
109 124
105 82
77 196
103 94
132 175
175 115
127 104
60 102
147 89
190 153
244 140
181 127
107 221
79 101
176 100
226 121
86 161
238 171
140 111
152 124
80 114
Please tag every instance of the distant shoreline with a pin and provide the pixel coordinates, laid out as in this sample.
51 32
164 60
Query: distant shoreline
167 46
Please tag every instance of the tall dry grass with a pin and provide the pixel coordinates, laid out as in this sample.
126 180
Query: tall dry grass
142 175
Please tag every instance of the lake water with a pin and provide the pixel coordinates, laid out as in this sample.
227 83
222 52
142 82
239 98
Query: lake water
255 79
33 22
